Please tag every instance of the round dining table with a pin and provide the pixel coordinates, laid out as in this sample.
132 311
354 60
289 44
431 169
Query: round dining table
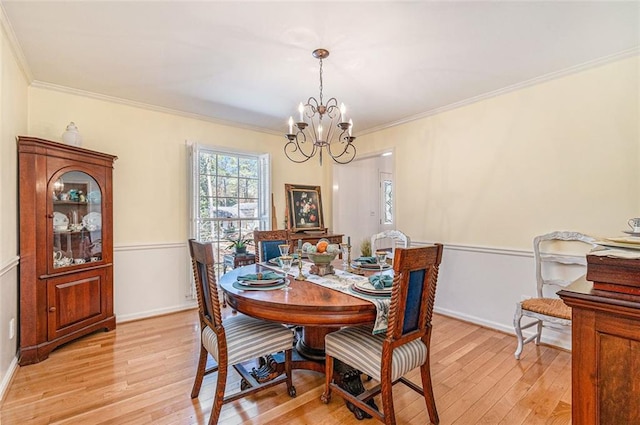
316 309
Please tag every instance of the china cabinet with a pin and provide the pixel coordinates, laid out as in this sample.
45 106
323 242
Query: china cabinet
66 245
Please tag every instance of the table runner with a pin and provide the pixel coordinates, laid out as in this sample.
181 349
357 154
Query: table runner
342 281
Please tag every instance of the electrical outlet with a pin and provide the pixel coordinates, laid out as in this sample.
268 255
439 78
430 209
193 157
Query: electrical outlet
12 328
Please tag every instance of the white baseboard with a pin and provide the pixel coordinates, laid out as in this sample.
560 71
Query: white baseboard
8 377
158 312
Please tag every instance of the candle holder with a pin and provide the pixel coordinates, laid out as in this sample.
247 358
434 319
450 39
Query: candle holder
349 268
300 275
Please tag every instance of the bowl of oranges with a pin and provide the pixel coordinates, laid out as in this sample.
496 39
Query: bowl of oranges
323 252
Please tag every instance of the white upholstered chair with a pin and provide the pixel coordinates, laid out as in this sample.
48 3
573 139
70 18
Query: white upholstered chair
554 271
405 345
389 240
234 340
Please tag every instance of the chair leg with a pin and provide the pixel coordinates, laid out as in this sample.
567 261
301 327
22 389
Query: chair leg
539 330
427 389
202 364
517 318
218 399
328 374
287 370
386 393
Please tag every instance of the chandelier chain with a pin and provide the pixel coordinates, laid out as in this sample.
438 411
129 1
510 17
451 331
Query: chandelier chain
321 82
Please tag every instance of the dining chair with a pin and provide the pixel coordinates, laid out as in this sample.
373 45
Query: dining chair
554 271
267 242
389 240
234 340
405 345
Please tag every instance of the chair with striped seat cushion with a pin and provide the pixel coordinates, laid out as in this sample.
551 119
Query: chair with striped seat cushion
234 340
405 345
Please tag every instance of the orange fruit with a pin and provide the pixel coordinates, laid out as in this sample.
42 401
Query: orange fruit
322 246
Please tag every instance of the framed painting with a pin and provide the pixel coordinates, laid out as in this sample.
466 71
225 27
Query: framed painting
304 208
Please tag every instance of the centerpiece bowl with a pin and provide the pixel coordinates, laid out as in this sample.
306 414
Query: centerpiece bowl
322 263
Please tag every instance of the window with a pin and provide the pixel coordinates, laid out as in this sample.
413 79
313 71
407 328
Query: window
229 196
387 196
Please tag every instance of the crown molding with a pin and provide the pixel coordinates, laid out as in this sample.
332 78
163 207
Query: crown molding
16 49
524 84
147 106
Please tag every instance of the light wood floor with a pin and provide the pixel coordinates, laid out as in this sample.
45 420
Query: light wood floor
142 373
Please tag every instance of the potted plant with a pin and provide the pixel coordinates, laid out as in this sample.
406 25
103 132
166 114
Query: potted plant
239 243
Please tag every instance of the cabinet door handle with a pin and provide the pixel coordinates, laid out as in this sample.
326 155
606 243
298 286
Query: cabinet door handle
52 309
49 215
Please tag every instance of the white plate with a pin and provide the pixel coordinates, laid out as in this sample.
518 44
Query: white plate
275 261
629 232
626 239
375 266
92 220
261 282
367 288
60 219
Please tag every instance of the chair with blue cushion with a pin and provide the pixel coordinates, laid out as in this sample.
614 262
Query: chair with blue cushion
267 242
233 340
405 345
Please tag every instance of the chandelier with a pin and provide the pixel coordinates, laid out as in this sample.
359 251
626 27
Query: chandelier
321 127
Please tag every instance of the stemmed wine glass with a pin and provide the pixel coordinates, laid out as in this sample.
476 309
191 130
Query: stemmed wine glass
285 265
381 257
284 249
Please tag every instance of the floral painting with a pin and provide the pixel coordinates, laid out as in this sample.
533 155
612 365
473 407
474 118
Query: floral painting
304 205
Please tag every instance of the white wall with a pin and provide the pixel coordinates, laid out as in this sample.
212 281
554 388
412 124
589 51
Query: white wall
13 120
486 178
563 154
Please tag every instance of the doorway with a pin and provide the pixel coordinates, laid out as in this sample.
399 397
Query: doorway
363 202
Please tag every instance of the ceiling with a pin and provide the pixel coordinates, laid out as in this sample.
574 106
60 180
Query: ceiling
250 64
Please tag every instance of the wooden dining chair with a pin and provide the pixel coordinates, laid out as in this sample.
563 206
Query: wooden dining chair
404 346
267 242
234 340
554 271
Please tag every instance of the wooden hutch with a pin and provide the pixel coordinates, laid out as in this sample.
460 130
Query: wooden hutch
66 245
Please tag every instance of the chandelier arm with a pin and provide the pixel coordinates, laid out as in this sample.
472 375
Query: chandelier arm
295 145
333 110
311 107
345 143
349 151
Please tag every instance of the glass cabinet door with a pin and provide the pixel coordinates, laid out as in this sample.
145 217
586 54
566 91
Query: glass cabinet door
77 220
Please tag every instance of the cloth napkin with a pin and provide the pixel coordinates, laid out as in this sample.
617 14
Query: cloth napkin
381 281
260 276
368 260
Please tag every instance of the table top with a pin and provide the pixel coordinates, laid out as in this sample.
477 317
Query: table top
306 303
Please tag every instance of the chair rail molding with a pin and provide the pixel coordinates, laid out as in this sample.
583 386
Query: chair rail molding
9 265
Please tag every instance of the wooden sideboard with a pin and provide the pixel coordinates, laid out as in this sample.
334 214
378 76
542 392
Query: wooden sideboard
294 237
606 343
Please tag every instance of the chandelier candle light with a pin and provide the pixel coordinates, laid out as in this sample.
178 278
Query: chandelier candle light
325 121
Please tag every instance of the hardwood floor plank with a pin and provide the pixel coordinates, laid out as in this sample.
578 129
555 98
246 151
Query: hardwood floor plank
142 373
